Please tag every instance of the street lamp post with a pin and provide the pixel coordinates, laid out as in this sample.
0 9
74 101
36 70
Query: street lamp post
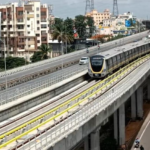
98 47
3 41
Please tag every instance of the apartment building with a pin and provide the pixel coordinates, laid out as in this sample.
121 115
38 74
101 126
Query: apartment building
99 17
24 27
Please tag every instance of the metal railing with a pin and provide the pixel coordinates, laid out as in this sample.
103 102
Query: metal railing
37 64
75 104
30 88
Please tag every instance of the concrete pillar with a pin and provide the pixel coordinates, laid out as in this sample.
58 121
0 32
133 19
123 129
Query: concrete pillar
86 143
148 90
122 124
133 106
116 126
95 140
140 102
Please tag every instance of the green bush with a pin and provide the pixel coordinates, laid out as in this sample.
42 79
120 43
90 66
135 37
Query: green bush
12 62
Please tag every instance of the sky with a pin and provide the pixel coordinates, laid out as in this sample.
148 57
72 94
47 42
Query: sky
71 8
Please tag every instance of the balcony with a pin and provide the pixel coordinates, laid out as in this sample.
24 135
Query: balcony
44 35
11 35
31 42
4 30
21 42
30 16
21 35
20 29
4 22
10 22
18 22
44 42
11 29
4 35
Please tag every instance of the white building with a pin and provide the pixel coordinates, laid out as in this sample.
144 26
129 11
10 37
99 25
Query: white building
24 27
98 17
115 24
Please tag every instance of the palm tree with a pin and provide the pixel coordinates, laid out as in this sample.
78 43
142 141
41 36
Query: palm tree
45 49
60 34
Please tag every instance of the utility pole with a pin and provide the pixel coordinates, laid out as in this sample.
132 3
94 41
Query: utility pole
115 8
92 5
88 6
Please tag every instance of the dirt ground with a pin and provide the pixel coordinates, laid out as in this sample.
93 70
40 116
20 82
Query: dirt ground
134 126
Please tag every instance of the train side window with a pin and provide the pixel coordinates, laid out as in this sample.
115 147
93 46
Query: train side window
118 57
134 51
109 63
114 60
122 56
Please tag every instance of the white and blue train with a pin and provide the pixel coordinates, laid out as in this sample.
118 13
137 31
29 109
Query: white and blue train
106 62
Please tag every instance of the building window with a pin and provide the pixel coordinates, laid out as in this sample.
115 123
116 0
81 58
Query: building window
38 28
20 20
28 32
38 21
38 41
37 8
43 26
43 13
37 15
28 26
28 39
38 35
27 12
20 13
28 18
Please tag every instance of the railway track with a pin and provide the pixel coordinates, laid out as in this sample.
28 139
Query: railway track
61 110
35 112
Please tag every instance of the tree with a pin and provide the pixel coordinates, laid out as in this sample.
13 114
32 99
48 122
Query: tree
42 54
36 56
68 25
109 144
58 21
62 35
90 23
45 49
12 62
80 25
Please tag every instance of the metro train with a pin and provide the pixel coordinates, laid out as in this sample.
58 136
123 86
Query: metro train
107 62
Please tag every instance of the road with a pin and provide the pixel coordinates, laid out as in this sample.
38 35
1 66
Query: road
144 134
69 57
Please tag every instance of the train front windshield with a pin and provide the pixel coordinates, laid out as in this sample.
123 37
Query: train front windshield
97 63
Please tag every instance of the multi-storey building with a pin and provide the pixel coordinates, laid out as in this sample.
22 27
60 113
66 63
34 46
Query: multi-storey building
99 17
24 27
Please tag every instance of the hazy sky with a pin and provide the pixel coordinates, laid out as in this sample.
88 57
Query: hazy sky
71 8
